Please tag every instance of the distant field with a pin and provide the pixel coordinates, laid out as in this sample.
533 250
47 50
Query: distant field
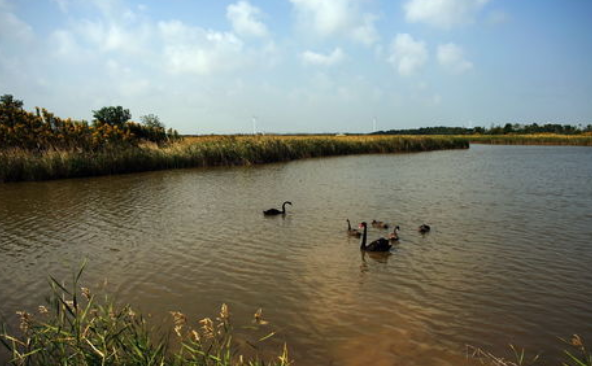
536 139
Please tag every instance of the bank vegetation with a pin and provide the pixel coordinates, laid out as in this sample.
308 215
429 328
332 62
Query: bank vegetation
40 146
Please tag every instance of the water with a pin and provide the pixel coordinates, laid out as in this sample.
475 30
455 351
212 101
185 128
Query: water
507 260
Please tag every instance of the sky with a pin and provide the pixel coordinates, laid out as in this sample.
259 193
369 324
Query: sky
302 66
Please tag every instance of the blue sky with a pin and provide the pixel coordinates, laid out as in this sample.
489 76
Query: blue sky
209 66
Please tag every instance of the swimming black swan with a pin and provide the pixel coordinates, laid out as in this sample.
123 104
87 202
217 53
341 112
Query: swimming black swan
379 245
275 211
352 232
394 236
424 229
379 224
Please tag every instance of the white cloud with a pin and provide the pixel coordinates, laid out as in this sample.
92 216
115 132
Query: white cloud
243 17
132 38
12 28
63 44
436 100
443 13
313 58
337 17
452 58
196 50
366 33
407 55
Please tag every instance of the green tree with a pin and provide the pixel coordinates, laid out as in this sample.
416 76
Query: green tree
8 101
479 130
152 121
114 116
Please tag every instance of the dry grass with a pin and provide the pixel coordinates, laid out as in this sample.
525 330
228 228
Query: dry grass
26 165
534 139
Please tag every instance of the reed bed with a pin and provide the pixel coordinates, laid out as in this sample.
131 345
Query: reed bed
27 165
534 139
80 328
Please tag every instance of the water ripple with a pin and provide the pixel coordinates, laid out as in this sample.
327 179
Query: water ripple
505 262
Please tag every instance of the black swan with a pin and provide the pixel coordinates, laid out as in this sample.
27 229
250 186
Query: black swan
352 232
379 224
275 211
378 245
394 236
424 229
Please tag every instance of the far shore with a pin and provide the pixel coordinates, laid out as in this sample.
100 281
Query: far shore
232 150
30 165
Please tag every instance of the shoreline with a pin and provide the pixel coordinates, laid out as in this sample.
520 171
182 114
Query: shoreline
19 165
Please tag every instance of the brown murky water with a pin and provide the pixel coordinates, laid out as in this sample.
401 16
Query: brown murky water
507 260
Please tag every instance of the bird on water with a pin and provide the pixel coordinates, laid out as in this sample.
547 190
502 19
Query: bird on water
394 236
275 211
379 224
378 245
352 232
424 229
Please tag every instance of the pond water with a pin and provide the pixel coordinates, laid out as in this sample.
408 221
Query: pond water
507 261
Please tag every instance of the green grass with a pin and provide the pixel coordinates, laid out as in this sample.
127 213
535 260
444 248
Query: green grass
25 165
79 328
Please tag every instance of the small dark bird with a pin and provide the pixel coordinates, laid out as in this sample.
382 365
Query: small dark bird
424 229
394 236
379 224
275 211
352 232
378 245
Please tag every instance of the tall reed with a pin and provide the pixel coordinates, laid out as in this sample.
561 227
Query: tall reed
26 165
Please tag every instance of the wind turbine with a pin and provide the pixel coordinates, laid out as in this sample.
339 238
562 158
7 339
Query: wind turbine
254 120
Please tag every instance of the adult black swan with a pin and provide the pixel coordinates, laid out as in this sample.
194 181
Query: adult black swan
378 245
275 211
424 229
352 232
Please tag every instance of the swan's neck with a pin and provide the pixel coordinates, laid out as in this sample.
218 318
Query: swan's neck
284 207
363 240
348 225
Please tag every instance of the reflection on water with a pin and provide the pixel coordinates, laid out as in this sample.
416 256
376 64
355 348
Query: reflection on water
505 261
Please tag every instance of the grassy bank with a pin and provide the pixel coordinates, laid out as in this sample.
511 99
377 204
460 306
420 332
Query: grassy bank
27 165
533 139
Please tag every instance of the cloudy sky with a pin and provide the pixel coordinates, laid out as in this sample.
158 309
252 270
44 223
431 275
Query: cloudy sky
209 66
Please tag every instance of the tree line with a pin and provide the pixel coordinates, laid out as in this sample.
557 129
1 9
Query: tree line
508 128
